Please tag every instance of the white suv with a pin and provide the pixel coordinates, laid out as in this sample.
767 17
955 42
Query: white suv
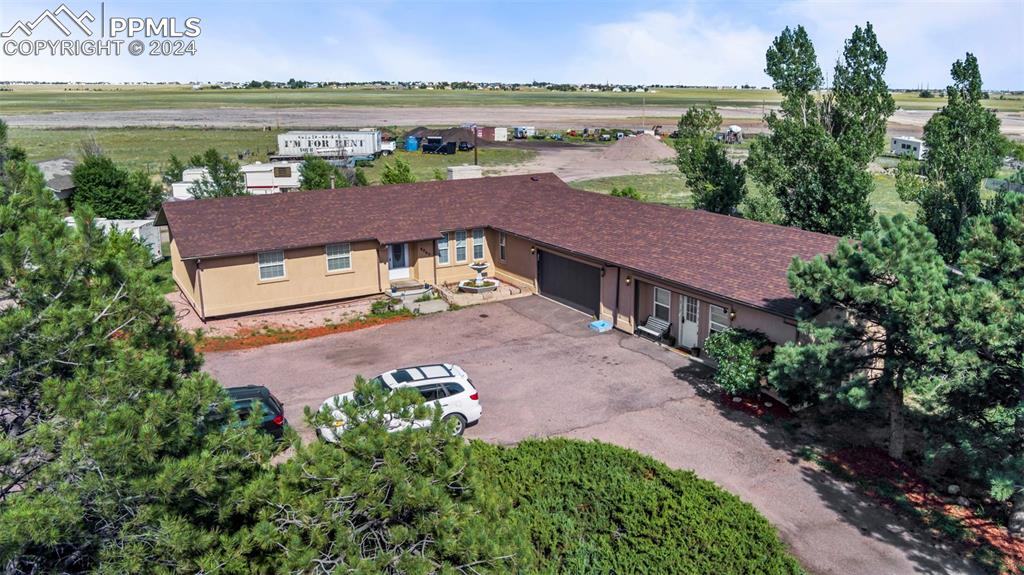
441 384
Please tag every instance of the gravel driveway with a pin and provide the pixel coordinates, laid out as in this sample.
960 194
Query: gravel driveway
540 372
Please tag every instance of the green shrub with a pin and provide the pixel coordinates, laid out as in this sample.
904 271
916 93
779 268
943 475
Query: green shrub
734 349
384 306
594 508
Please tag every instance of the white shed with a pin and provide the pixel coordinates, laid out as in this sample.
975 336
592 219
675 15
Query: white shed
142 230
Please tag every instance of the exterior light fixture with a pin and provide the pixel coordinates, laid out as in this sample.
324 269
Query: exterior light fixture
533 250
602 271
629 280
732 315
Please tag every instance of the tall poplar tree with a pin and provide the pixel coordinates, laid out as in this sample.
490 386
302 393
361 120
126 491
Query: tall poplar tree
964 146
815 158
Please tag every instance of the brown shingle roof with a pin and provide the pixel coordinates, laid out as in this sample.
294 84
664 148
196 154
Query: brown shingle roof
737 259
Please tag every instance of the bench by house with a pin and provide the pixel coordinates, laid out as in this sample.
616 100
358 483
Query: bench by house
655 327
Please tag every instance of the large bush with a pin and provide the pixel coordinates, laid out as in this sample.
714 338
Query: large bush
595 508
735 350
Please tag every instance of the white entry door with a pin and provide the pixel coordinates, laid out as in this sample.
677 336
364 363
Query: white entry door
688 319
398 261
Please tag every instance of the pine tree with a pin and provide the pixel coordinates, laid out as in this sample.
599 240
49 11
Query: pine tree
981 404
107 458
379 501
883 329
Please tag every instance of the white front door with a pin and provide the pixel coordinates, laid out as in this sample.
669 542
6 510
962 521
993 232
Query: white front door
398 261
688 319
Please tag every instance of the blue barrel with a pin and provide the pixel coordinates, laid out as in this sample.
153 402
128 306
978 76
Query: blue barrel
411 144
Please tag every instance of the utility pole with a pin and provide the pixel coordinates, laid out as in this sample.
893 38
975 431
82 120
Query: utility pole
476 158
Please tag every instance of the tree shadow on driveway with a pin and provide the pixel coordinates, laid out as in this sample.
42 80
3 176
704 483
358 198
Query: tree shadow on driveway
906 548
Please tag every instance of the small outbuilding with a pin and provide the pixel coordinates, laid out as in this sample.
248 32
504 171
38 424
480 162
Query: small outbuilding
908 146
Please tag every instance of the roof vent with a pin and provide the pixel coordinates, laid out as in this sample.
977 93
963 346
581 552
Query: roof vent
534 178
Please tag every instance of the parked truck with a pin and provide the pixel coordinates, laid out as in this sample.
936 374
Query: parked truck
523 132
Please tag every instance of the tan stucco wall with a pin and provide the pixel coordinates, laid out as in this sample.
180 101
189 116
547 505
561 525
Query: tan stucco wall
520 266
778 329
184 274
232 285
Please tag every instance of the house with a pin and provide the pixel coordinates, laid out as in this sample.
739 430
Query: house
181 190
271 178
57 174
612 258
908 146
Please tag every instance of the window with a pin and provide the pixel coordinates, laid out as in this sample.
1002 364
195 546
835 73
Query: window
691 309
502 255
661 303
453 388
442 249
478 244
282 171
432 392
719 319
339 257
460 246
271 265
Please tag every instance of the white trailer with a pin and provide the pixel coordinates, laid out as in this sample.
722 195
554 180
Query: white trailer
908 146
272 177
347 144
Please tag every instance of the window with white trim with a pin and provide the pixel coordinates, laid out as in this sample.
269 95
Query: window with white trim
442 249
339 257
460 246
502 240
478 244
271 265
662 297
718 319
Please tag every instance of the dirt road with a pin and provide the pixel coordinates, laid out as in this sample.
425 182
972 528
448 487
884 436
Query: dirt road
906 122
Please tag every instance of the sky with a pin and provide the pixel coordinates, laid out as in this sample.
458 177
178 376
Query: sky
577 41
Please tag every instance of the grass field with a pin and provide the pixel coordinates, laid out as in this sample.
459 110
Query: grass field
37 99
149 148
671 189
423 165
143 148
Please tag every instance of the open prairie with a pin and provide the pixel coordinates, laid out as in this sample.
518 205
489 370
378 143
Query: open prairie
110 106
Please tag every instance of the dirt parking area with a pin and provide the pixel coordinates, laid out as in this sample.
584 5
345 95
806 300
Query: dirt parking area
541 372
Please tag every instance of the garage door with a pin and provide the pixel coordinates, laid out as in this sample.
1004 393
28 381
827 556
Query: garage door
570 282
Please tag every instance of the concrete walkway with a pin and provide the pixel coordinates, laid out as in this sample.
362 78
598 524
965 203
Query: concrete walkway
541 372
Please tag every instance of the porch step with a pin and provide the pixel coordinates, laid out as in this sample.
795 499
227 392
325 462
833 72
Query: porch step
405 284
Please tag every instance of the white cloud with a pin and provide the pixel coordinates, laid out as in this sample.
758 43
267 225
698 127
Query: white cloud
923 38
670 48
